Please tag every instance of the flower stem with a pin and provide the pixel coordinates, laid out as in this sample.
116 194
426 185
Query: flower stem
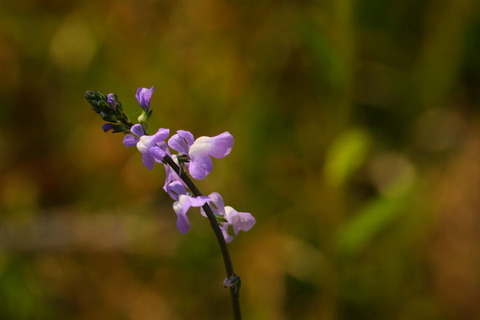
234 290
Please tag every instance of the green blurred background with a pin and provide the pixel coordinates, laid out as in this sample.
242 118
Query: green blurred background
357 149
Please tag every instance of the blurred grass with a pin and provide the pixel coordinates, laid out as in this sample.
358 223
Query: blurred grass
357 150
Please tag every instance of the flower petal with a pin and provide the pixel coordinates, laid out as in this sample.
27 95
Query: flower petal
198 201
200 151
216 204
200 166
160 135
218 146
163 145
137 130
148 142
130 140
243 221
176 189
150 145
183 224
228 237
170 174
148 160
181 207
181 141
157 153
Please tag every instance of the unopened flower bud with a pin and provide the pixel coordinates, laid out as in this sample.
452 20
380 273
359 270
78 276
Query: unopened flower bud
112 101
143 96
143 118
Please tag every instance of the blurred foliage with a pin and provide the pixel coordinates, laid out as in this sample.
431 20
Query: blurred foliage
357 150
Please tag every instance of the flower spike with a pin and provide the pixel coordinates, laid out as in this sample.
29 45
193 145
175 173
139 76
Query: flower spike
194 157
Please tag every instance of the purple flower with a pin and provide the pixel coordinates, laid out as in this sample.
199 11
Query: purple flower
239 221
200 150
183 202
153 148
143 96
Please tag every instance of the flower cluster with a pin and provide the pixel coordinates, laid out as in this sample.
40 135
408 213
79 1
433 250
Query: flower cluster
193 155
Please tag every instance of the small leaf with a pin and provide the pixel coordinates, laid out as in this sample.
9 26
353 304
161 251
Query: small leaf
220 218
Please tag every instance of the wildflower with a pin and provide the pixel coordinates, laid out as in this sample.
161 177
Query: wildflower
239 221
153 148
199 151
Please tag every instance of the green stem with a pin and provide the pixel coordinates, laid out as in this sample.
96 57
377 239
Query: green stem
218 233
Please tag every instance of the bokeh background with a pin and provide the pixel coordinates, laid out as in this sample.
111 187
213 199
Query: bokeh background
357 149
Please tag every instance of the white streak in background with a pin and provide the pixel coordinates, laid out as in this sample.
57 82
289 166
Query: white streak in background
70 229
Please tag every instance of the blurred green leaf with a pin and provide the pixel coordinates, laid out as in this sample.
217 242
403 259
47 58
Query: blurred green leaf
345 155
371 220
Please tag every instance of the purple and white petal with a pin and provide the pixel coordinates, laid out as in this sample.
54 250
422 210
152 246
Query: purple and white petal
181 207
241 221
216 204
147 142
205 147
176 189
218 146
144 144
181 141
200 166
224 228
150 149
130 140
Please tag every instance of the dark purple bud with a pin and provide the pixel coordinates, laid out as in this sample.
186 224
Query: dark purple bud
107 127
